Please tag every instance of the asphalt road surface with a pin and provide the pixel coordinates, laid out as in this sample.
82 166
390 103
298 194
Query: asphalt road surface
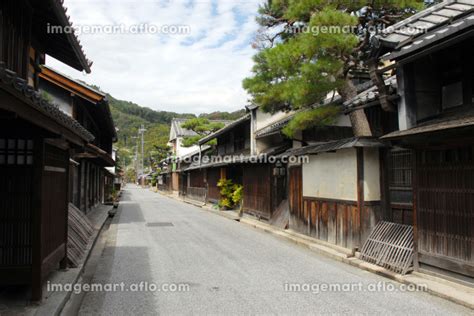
170 258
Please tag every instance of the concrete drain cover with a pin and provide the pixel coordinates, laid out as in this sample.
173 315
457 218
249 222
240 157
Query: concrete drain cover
159 224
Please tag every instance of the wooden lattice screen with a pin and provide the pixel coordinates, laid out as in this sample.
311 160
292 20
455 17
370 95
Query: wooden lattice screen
390 245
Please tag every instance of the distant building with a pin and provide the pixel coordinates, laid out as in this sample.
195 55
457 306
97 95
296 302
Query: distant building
177 136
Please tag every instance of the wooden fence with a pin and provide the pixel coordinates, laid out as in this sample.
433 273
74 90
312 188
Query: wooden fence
197 194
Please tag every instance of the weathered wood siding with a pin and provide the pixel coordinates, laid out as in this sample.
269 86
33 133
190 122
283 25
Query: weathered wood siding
54 204
197 178
213 176
257 191
175 181
340 199
196 193
16 190
15 35
337 222
444 189
295 191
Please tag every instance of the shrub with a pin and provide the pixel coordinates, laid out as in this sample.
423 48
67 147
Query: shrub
231 194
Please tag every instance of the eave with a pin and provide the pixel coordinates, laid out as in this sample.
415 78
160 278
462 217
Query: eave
65 46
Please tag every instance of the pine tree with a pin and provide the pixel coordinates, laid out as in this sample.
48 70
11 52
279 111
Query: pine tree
202 127
310 48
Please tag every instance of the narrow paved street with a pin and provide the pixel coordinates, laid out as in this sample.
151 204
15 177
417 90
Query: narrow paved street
231 269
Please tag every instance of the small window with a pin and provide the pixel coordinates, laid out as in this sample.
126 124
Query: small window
16 152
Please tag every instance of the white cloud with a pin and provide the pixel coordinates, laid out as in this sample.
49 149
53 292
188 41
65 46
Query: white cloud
198 72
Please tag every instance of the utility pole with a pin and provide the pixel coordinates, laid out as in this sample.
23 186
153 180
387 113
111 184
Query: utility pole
142 131
135 159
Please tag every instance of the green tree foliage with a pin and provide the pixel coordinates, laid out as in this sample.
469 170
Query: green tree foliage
230 116
202 127
320 116
128 117
130 175
309 48
231 194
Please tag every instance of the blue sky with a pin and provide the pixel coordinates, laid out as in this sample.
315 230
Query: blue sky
201 71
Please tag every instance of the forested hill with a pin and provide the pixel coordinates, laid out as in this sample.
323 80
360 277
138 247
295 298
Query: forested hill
129 116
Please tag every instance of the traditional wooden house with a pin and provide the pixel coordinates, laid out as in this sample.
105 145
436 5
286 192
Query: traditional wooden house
233 144
178 151
429 169
164 178
35 142
193 182
90 181
332 179
268 176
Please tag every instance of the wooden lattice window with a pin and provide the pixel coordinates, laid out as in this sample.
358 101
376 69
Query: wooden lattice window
16 151
400 171
400 167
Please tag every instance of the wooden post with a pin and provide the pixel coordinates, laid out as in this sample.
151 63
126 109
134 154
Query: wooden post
63 264
82 187
37 244
87 187
360 197
387 214
416 263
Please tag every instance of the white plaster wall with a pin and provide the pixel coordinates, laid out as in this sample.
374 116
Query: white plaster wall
331 175
64 107
343 120
371 174
265 119
182 151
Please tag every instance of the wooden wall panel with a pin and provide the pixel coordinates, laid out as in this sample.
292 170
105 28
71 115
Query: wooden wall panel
332 225
341 225
337 222
323 223
295 191
213 176
54 200
197 179
16 185
445 208
257 191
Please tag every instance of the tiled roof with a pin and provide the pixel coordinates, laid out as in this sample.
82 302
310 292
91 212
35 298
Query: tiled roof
336 99
224 129
10 78
333 145
178 131
79 82
103 104
427 27
60 9
274 127
456 120
371 94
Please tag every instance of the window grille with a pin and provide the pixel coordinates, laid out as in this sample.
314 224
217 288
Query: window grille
16 151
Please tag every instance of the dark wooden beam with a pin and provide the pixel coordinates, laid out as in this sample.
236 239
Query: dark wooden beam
360 196
414 182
